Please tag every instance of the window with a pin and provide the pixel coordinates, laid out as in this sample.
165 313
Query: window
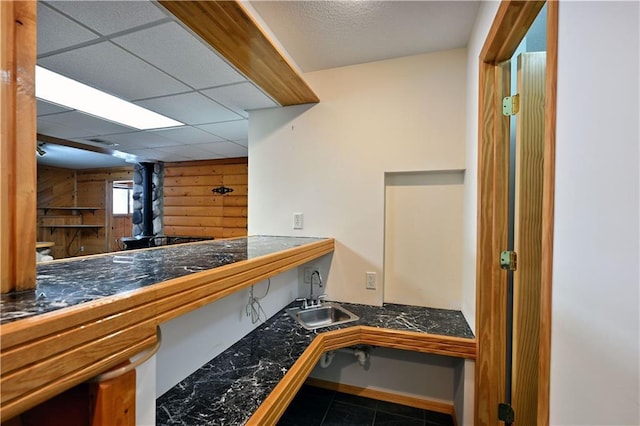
123 197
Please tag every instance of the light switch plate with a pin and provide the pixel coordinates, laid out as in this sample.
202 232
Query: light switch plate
371 280
298 219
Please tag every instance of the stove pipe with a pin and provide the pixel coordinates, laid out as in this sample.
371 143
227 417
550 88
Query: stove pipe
147 199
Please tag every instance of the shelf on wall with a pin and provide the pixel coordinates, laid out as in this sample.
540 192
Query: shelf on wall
74 210
78 226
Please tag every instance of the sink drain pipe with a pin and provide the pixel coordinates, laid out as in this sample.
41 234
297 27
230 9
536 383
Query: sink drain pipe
362 354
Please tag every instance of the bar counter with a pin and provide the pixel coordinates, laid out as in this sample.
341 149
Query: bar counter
90 314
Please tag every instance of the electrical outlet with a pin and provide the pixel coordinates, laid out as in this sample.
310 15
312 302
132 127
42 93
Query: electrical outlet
298 220
371 280
307 274
81 249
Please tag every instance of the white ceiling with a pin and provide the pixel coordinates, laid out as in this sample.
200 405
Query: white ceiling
138 52
328 34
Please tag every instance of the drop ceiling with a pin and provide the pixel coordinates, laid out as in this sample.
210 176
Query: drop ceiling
139 52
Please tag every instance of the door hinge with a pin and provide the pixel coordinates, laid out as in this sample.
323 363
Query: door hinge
506 413
509 260
511 105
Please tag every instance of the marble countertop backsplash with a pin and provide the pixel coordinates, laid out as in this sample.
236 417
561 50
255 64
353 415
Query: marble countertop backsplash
70 282
229 388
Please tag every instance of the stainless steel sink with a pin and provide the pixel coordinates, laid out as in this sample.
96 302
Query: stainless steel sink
327 314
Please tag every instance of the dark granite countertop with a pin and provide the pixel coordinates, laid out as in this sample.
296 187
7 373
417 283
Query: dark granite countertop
70 282
229 388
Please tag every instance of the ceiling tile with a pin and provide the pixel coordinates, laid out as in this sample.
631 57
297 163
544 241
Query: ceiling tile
240 97
191 152
190 108
157 154
137 140
108 17
177 52
74 124
109 68
243 142
230 130
50 37
45 108
187 135
227 149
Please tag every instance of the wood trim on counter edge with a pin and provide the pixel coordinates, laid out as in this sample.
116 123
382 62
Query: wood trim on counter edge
276 403
78 334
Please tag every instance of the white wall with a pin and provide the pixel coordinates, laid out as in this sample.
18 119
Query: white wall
413 374
595 324
423 239
486 14
191 340
328 160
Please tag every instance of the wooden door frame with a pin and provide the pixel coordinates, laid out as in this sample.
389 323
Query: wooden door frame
509 27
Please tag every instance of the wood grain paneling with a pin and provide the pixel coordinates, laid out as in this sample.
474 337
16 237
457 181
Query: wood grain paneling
17 145
192 209
548 200
229 29
94 188
492 238
93 193
121 226
528 235
512 21
45 355
114 401
58 187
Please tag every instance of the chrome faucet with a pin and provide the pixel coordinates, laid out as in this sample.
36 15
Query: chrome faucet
312 302
316 301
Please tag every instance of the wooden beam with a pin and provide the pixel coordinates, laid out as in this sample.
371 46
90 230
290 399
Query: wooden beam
17 145
229 29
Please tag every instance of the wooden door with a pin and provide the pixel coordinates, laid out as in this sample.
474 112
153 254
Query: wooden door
528 236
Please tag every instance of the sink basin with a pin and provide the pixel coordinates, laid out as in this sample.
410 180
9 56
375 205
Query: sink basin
322 316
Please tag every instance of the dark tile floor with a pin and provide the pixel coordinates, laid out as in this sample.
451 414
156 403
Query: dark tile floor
315 406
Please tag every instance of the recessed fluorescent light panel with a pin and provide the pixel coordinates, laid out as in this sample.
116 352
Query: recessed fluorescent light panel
62 90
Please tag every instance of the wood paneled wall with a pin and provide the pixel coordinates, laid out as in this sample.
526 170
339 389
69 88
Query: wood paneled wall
58 187
94 190
192 209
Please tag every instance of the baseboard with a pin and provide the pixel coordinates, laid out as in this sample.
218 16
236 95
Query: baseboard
411 401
